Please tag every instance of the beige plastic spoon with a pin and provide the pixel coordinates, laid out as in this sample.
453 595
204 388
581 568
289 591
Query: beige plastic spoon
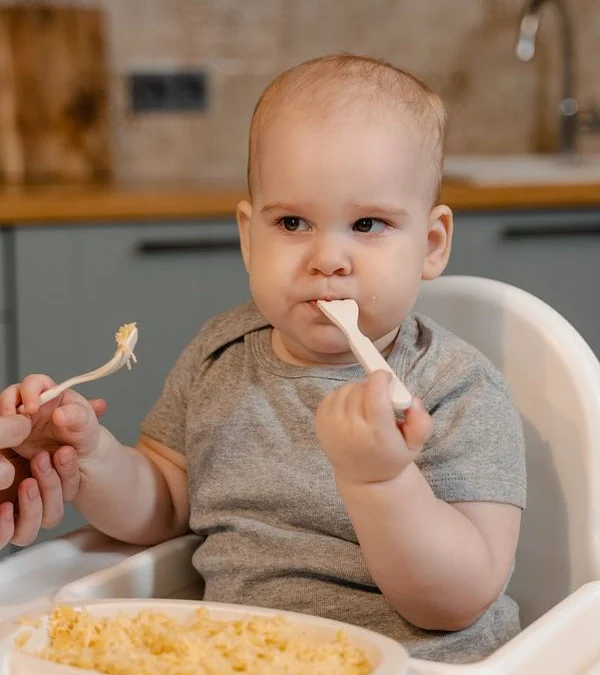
344 314
126 338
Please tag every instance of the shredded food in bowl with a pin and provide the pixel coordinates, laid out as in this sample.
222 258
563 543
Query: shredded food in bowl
154 643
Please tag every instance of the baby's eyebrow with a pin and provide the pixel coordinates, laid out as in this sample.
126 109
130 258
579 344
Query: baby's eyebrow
373 210
379 210
281 206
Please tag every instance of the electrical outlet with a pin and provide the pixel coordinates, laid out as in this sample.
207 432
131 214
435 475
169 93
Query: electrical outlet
169 91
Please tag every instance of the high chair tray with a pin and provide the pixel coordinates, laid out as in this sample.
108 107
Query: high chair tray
32 576
565 641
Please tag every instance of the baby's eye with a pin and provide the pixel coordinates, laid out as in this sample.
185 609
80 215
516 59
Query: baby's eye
293 224
369 225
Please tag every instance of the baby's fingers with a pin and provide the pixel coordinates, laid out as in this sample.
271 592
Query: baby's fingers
377 402
31 388
99 406
417 426
73 416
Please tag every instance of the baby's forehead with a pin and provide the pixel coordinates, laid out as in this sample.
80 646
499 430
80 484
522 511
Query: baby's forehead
298 121
339 92
293 146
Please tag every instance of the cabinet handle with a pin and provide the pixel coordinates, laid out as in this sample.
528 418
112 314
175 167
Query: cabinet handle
159 246
561 231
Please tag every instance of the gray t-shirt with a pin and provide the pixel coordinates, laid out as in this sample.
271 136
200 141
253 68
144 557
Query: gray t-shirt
262 491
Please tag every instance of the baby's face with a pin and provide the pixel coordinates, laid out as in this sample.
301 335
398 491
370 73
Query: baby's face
340 210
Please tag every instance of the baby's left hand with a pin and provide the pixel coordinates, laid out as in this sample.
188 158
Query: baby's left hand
364 441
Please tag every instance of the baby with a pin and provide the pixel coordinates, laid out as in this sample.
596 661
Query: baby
267 441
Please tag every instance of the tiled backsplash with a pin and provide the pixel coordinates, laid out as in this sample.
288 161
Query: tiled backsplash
462 48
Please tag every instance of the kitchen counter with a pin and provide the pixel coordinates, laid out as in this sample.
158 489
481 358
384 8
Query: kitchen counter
48 204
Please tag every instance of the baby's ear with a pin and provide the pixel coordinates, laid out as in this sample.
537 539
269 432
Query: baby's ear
243 216
439 241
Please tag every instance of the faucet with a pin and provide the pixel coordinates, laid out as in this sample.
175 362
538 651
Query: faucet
571 118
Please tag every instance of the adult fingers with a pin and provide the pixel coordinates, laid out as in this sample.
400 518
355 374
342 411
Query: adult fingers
49 485
7 523
29 520
7 473
67 467
10 398
14 429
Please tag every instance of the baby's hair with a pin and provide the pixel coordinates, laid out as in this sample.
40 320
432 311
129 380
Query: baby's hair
354 83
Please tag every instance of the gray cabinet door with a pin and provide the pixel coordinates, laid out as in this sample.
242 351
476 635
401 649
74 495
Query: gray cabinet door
76 285
555 255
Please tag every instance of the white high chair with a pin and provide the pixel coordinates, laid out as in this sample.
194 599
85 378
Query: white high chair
555 379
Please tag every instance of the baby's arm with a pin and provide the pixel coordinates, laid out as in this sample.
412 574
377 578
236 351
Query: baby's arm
138 495
441 565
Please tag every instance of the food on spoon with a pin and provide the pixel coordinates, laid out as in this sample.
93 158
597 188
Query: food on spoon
122 337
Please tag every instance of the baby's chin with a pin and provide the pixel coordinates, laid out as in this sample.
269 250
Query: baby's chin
328 352
327 347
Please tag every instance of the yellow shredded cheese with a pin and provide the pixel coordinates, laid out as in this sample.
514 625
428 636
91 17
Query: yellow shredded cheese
153 643
23 638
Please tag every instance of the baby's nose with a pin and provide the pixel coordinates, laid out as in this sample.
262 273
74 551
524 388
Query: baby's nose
329 256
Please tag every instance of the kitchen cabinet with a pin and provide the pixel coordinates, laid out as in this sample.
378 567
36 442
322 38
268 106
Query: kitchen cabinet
75 285
553 254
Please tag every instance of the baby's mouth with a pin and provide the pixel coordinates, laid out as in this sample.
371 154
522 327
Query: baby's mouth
328 298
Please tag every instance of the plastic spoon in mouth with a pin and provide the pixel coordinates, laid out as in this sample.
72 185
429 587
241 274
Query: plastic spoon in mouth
344 314
126 338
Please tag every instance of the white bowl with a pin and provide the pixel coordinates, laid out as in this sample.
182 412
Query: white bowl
386 656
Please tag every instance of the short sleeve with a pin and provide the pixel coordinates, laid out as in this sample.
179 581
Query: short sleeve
166 421
476 451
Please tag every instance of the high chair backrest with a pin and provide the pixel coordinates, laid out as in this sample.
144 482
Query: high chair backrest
555 380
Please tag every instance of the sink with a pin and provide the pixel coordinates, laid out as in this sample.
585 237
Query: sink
523 169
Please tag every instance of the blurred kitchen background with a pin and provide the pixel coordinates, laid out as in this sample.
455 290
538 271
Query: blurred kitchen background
463 48
123 132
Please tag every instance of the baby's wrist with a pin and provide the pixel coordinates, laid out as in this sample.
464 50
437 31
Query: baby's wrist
107 446
382 481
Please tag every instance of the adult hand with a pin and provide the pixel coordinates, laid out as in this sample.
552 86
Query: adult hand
33 491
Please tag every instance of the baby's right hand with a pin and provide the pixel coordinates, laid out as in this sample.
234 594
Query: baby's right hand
68 420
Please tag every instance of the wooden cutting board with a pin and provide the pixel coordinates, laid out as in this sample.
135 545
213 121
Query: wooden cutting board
54 95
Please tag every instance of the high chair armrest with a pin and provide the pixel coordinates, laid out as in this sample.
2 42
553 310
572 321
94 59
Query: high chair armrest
161 571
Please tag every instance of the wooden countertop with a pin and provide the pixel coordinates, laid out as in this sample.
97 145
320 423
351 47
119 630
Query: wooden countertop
52 204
